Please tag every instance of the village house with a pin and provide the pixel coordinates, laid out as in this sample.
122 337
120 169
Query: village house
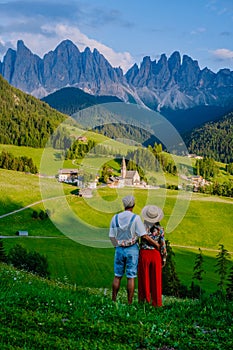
82 138
194 156
68 175
197 182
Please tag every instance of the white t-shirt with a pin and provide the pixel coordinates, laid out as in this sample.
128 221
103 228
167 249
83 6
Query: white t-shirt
126 227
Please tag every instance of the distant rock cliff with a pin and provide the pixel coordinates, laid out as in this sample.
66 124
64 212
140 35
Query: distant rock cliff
169 83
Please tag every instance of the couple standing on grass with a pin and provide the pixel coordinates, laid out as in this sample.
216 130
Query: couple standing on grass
127 234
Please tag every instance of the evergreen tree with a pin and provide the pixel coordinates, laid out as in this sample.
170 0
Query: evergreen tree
222 266
198 271
171 282
3 256
18 256
37 264
42 215
229 289
229 168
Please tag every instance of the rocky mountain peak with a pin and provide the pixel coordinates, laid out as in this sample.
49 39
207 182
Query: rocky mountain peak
170 82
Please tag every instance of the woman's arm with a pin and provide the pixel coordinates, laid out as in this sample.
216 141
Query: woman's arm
151 242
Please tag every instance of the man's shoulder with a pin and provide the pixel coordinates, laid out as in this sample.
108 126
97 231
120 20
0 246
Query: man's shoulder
127 214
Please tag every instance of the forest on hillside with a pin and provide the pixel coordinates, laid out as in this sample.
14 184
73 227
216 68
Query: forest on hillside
213 140
25 120
70 100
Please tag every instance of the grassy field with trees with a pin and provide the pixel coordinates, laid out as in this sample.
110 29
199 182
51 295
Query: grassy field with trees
206 224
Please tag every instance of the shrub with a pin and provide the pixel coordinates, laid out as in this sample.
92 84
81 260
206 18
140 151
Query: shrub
32 261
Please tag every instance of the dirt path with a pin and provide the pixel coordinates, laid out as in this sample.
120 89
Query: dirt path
192 247
29 206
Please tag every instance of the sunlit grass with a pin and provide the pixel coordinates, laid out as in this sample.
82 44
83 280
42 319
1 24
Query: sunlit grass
41 314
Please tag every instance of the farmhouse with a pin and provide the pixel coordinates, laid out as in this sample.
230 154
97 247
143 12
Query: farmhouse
68 175
82 138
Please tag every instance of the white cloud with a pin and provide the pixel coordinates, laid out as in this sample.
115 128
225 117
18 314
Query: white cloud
223 54
51 35
198 30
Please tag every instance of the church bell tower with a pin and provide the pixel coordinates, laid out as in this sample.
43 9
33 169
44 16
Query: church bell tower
123 168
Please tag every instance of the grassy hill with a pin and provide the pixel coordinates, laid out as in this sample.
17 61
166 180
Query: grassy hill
47 314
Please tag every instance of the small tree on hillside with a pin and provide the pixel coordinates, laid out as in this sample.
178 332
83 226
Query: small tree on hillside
198 271
38 264
222 266
17 256
32 261
105 173
229 289
171 282
3 256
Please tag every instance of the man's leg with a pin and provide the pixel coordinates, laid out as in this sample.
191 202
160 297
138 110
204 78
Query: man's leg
130 289
115 287
132 253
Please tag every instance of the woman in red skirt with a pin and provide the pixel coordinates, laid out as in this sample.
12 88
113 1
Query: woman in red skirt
151 259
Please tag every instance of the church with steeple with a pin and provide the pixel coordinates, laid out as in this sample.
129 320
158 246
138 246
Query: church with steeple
129 177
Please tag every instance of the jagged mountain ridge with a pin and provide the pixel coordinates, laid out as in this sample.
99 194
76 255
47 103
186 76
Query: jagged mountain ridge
169 83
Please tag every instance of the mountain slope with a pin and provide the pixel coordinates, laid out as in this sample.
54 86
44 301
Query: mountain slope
70 100
24 120
213 139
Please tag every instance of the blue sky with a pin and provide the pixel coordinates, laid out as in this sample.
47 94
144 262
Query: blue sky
124 31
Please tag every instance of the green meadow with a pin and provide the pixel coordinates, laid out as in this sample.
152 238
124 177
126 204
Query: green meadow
72 237
75 236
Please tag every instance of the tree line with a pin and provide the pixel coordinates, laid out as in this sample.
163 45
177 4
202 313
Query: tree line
79 149
21 258
173 287
22 163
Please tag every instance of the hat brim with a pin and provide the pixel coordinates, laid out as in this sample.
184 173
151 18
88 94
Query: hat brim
152 220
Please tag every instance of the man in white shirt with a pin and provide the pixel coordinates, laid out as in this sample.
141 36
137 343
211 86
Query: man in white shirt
125 229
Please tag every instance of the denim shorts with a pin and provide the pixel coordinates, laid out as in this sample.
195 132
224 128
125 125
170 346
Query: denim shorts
126 261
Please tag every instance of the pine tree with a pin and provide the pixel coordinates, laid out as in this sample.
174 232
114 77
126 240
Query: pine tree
198 271
3 256
222 265
171 282
229 289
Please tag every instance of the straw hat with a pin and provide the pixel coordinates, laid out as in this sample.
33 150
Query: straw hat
152 213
